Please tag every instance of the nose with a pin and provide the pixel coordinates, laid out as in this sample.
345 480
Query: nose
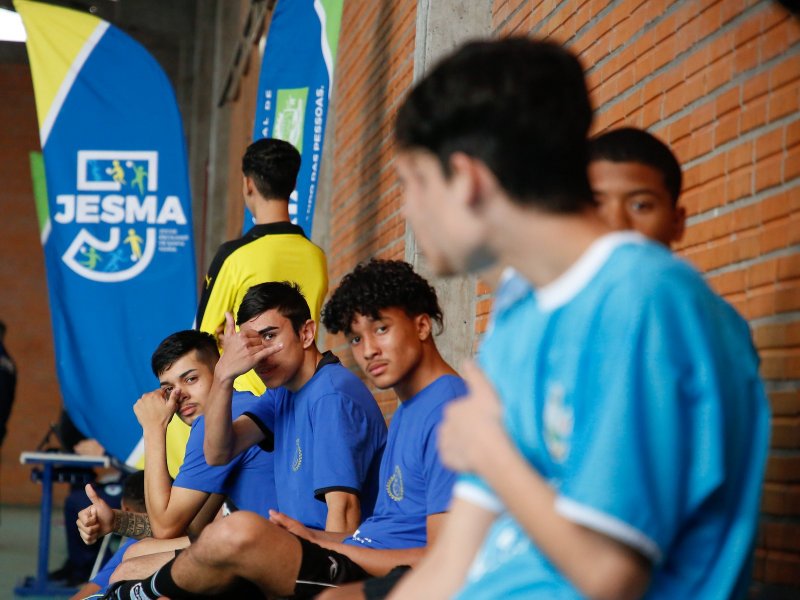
615 214
180 396
369 347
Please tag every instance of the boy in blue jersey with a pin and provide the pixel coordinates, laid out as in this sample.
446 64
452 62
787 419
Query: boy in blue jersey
388 313
614 439
328 430
184 364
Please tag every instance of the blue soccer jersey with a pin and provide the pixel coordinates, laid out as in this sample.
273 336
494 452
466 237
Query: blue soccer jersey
634 391
415 484
329 436
248 480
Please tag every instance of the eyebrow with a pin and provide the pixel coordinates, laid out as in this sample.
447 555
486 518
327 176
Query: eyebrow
181 376
269 329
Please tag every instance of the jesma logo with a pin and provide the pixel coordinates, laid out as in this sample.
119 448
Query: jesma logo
117 196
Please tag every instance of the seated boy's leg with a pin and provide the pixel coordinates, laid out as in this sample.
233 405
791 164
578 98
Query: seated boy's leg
375 588
321 568
141 566
155 546
243 546
246 547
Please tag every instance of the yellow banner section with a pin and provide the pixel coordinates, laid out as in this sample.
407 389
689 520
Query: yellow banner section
55 38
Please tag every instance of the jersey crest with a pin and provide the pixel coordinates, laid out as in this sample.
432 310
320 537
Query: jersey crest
558 423
298 456
394 485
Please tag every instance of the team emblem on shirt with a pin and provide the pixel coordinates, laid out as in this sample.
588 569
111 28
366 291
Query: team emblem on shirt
298 456
394 485
558 423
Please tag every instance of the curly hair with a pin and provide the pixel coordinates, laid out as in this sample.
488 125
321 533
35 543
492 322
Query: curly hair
376 285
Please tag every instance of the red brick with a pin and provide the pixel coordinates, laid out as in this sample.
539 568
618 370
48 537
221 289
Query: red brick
784 469
783 102
785 403
768 172
782 568
786 433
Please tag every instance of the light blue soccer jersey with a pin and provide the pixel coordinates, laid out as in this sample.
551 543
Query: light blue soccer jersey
634 391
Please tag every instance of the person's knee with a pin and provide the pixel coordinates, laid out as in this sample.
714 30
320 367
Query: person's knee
235 535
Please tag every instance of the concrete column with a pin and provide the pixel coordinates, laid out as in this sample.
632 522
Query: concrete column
442 25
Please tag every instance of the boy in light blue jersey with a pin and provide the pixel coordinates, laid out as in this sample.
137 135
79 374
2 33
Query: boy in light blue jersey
387 313
617 447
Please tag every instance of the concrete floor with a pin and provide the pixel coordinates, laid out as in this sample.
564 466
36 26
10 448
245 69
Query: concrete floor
19 535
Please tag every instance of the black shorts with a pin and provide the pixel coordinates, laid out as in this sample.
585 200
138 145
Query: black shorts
378 588
321 569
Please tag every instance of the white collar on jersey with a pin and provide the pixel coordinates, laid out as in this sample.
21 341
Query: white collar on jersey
567 285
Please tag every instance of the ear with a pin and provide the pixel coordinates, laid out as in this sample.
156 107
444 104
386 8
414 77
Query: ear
679 225
464 178
247 186
307 333
423 325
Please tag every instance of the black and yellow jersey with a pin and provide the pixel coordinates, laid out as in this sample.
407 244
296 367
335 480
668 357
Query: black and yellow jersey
268 252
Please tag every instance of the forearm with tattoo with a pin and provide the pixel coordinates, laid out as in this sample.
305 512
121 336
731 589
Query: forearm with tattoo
133 525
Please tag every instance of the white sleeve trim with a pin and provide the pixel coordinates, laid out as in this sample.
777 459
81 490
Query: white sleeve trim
608 525
464 490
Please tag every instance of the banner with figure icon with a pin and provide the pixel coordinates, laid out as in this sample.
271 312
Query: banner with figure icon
116 221
294 88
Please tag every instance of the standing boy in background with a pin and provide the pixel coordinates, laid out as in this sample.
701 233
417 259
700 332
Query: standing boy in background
272 250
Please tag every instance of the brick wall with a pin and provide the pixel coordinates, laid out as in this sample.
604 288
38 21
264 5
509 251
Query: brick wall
375 66
23 303
719 80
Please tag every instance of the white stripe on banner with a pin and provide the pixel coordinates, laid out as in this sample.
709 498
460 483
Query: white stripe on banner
326 49
45 232
66 85
136 454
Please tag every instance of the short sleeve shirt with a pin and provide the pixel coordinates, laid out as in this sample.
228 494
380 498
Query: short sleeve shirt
634 391
248 480
329 436
414 483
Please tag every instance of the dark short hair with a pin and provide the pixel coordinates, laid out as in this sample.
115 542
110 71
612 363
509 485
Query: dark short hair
630 144
180 344
283 296
133 492
376 285
518 105
273 164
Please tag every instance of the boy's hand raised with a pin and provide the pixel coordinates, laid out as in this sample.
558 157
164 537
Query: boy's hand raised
96 520
244 349
152 410
471 426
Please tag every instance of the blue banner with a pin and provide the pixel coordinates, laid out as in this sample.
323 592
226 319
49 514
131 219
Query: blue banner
117 231
294 88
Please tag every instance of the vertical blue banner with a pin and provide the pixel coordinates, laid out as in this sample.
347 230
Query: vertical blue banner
116 227
294 88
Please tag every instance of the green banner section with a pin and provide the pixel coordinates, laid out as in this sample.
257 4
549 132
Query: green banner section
39 189
290 112
333 21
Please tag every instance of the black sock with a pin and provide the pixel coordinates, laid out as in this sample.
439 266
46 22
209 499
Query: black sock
157 585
